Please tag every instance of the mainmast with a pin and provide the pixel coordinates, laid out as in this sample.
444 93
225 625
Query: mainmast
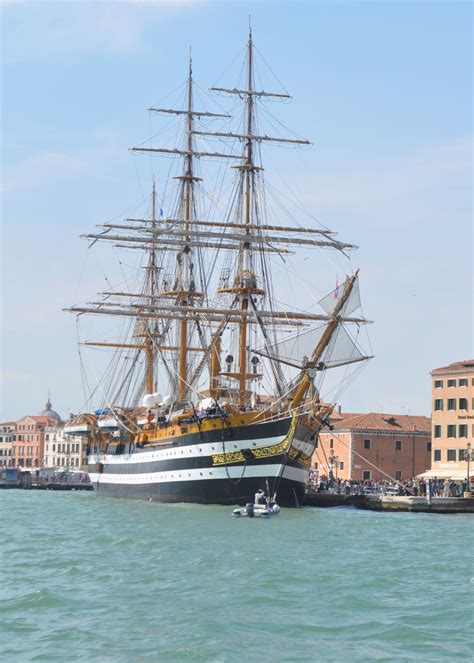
185 297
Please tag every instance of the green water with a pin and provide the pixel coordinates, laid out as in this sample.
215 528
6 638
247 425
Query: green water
95 579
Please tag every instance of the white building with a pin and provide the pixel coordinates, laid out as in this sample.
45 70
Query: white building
7 432
62 451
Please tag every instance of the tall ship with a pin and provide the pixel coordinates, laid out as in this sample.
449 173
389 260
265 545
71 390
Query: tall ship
214 382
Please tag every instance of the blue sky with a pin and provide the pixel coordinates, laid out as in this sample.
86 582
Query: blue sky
383 89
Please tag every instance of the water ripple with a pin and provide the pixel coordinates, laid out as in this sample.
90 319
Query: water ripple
102 580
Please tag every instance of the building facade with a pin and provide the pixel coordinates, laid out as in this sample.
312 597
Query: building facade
452 389
67 452
7 431
29 437
374 446
28 443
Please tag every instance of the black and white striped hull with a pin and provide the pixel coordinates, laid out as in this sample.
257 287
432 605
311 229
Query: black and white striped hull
198 467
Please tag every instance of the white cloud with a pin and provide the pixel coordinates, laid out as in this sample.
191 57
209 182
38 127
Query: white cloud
41 30
45 167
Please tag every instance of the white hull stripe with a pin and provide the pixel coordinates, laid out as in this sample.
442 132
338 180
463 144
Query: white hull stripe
194 450
263 471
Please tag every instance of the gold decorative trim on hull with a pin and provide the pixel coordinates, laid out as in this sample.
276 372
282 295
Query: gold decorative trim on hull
273 450
261 452
299 457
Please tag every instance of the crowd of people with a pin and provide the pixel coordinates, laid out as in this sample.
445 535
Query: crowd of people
414 487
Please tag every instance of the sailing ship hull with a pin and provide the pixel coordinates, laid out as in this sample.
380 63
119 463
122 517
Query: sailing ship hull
222 466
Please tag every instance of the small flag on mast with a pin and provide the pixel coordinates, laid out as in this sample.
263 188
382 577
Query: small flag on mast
161 212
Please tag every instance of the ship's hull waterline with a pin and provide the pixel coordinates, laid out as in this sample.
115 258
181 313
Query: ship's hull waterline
225 466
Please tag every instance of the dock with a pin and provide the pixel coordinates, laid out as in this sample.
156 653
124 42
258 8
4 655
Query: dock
392 502
26 480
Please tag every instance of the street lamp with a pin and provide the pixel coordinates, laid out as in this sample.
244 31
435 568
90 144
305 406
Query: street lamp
468 456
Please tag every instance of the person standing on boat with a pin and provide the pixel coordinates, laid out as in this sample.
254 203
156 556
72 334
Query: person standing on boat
260 497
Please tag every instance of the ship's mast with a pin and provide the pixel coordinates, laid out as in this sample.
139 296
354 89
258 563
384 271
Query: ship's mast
151 277
179 306
186 266
248 171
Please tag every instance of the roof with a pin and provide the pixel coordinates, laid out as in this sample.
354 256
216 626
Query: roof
49 412
39 419
382 421
464 366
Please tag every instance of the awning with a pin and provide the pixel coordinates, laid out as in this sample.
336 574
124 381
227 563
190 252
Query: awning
456 475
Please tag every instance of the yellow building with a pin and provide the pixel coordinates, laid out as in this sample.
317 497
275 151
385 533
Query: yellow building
452 419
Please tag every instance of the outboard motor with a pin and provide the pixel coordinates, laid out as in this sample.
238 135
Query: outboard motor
249 510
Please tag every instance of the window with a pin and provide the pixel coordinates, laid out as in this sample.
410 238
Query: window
438 404
54 447
367 446
451 403
451 454
316 466
451 383
398 475
462 430
428 446
331 443
398 445
366 474
461 454
463 403
463 382
438 384
341 465
437 454
451 430
437 430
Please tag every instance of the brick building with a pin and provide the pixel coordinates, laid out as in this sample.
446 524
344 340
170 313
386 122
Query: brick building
374 446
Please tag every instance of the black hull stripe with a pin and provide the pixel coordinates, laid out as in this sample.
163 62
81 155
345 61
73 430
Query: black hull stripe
290 493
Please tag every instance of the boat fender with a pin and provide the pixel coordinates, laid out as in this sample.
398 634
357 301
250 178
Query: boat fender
249 509
99 467
247 454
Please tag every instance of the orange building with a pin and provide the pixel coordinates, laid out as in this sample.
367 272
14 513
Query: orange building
28 446
28 437
452 402
374 446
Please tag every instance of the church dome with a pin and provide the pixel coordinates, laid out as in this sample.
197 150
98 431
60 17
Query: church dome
49 412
